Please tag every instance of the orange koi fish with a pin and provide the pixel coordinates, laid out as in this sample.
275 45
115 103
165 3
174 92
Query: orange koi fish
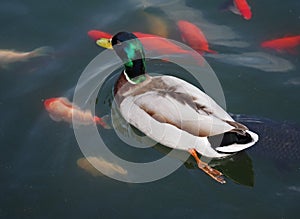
157 43
283 44
194 37
87 164
61 109
240 7
243 8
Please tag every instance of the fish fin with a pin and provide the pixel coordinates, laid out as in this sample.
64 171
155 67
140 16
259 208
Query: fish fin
226 5
183 39
67 103
234 10
230 6
104 121
211 51
55 118
200 61
42 51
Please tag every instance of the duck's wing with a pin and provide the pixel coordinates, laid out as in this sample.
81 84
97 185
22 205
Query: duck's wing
201 99
163 132
203 103
181 105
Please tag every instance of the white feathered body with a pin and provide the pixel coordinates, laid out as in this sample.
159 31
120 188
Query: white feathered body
179 115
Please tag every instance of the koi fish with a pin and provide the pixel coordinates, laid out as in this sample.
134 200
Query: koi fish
243 8
240 7
280 142
283 44
157 43
8 57
105 166
61 109
258 60
194 37
156 24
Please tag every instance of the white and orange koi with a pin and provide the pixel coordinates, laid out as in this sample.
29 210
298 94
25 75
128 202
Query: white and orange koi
61 109
8 57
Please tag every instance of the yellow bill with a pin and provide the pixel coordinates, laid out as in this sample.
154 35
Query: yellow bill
105 43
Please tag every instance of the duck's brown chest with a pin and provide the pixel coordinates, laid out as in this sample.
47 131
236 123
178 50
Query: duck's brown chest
119 83
121 86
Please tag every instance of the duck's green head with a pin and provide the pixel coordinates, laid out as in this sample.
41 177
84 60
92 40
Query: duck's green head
130 50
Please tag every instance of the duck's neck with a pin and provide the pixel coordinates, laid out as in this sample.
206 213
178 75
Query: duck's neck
135 71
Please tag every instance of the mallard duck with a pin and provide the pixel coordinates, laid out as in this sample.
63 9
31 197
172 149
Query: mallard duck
172 111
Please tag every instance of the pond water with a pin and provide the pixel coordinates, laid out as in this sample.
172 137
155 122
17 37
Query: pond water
43 171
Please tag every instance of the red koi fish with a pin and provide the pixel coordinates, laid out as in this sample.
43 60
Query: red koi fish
194 37
157 43
243 8
283 44
61 109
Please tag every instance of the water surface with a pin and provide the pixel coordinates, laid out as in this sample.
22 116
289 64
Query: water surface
39 174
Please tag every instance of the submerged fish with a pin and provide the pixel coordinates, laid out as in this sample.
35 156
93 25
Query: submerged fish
151 42
279 141
243 8
257 60
159 44
61 109
194 37
92 164
8 57
293 81
239 7
289 44
156 24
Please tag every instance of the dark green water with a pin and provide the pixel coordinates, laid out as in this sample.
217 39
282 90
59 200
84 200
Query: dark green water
39 177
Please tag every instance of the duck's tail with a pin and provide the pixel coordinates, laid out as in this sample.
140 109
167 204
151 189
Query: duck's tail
233 142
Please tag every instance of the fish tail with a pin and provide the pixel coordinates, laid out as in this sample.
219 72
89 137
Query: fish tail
200 61
42 51
211 51
102 122
226 5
